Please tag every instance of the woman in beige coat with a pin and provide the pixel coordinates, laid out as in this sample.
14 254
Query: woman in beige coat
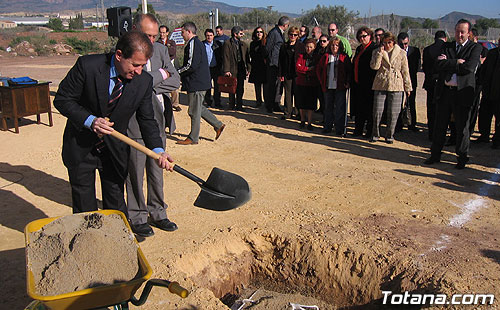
391 80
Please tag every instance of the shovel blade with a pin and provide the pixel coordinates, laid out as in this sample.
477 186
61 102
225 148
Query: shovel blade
223 191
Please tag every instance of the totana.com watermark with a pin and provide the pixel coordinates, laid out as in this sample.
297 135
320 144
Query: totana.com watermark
436 299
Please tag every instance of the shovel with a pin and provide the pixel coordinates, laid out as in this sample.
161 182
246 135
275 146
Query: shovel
222 191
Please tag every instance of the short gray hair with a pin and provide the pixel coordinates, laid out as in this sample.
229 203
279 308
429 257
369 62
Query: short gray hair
284 20
139 18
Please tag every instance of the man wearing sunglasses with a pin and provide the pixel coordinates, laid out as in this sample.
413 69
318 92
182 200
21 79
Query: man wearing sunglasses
333 31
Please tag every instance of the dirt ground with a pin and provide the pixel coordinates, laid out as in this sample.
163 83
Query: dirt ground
332 221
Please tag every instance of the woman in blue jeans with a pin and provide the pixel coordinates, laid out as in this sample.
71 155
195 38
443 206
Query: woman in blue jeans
333 71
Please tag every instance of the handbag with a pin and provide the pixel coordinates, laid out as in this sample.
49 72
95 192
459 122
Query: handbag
406 113
227 84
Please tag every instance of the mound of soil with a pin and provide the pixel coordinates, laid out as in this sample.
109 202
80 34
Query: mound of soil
81 251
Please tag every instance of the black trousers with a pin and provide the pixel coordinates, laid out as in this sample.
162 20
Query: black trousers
431 110
447 104
487 110
237 99
272 92
82 180
214 74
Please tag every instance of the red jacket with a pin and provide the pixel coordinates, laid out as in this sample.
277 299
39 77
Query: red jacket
306 71
343 71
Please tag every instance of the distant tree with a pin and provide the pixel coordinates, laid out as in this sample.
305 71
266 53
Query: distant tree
430 24
483 24
77 22
337 14
407 23
150 9
55 24
258 17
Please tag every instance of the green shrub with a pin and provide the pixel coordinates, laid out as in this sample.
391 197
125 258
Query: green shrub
52 41
18 40
83 46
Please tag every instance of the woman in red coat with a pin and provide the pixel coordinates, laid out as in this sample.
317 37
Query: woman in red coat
334 70
307 83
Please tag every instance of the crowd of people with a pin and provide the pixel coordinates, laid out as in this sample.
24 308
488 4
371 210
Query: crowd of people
318 73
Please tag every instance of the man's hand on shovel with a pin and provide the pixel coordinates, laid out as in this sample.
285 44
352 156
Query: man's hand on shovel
164 161
101 126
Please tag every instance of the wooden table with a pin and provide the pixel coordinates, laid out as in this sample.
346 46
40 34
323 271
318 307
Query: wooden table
24 100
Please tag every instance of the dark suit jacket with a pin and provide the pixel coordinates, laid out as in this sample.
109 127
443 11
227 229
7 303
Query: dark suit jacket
84 92
431 53
466 78
490 75
195 73
414 61
273 44
217 48
230 58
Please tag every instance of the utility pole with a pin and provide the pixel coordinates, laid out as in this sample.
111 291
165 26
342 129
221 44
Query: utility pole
96 16
102 14
144 6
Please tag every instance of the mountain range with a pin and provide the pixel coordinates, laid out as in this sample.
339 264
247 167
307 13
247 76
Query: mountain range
174 6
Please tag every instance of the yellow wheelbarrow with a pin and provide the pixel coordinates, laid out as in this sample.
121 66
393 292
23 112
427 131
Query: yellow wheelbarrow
116 295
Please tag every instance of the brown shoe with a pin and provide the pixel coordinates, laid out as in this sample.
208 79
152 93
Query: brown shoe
219 131
186 142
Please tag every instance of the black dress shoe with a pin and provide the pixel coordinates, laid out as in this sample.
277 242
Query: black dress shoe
165 224
461 163
143 230
432 160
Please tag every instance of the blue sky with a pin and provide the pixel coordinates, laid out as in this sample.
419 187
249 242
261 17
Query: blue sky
415 8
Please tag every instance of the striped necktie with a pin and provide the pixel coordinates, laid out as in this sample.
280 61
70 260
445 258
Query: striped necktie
100 146
115 95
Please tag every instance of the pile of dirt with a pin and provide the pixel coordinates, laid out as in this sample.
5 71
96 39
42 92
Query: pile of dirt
81 251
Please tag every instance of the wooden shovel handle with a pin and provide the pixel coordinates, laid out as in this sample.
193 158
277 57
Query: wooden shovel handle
134 144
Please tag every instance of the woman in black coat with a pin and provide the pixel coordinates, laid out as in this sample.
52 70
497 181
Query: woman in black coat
289 53
257 60
363 76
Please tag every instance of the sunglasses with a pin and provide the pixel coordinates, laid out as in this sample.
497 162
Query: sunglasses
364 36
260 32
293 35
323 41
332 29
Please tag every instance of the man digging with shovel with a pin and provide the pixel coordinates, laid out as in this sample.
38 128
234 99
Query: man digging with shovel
99 87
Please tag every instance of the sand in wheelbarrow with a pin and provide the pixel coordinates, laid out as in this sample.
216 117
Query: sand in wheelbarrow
81 251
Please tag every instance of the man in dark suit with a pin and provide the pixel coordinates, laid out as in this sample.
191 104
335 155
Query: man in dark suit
165 79
99 87
195 76
236 63
430 55
275 38
214 56
413 55
490 103
456 84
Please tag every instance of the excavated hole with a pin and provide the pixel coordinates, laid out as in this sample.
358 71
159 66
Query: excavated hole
336 274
